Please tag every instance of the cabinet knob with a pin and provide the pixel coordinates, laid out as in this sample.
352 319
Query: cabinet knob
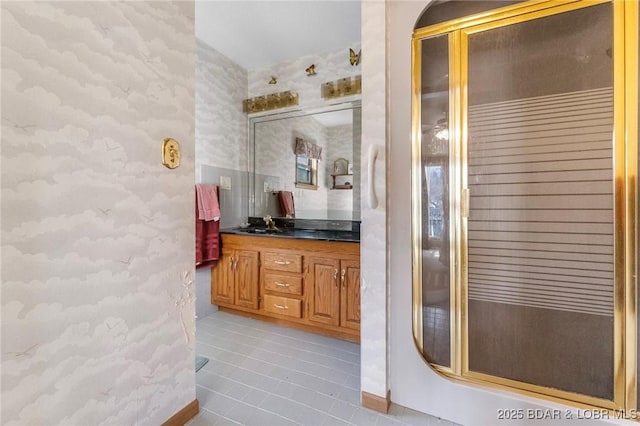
335 276
344 272
280 306
281 262
279 284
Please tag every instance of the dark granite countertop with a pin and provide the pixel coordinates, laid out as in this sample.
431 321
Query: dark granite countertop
304 234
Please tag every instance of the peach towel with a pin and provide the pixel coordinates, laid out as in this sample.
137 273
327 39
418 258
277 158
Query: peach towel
207 235
207 199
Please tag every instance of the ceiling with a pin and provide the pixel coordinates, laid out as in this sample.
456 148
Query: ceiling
256 34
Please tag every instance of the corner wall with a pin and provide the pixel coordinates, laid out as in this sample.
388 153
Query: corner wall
97 235
221 145
374 337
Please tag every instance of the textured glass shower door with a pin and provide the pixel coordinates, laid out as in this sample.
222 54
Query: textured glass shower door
434 178
525 199
541 269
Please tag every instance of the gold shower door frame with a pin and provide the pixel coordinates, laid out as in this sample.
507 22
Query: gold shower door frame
625 154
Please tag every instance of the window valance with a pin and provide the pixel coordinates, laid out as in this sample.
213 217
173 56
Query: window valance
308 149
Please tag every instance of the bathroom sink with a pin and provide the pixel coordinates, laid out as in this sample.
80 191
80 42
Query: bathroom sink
252 231
310 234
258 231
305 232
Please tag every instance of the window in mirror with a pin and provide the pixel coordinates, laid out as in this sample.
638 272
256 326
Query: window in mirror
306 172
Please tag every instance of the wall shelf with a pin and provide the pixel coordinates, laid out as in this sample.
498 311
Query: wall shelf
345 185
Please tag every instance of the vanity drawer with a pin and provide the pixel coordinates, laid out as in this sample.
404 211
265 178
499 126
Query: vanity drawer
283 306
283 283
282 262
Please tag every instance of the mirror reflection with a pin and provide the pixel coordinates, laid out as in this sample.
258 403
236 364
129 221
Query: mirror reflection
294 158
306 172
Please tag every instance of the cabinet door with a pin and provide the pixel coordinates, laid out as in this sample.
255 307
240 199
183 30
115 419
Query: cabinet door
222 286
324 290
350 294
246 278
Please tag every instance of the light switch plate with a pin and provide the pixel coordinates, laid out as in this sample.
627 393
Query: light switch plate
225 182
267 187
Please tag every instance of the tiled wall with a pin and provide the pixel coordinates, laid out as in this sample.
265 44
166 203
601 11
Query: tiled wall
97 235
234 202
266 202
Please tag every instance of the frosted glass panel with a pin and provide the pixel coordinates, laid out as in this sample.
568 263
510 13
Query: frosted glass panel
435 200
540 231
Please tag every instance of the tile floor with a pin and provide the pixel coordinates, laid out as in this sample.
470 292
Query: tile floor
267 375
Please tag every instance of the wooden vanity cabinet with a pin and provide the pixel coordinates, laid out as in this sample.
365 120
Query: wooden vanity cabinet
324 290
350 294
310 284
334 292
282 286
222 280
235 279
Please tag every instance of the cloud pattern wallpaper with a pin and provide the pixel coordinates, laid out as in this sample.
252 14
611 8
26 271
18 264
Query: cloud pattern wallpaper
97 235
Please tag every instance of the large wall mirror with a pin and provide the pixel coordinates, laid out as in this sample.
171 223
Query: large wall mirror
278 144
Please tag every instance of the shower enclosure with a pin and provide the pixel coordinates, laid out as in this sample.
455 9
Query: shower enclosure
525 196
